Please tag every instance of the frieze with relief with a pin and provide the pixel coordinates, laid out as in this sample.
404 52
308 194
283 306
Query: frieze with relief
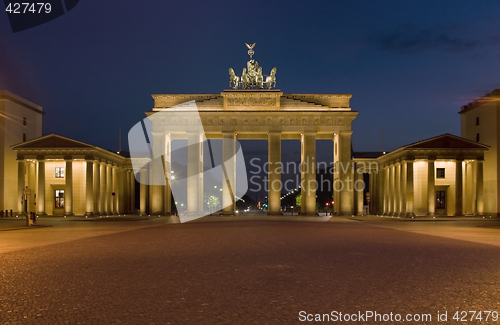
245 121
251 101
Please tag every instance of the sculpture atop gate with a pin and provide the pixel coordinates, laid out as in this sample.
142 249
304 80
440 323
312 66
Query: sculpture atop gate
251 76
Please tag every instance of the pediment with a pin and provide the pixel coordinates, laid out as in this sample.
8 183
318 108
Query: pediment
52 141
446 141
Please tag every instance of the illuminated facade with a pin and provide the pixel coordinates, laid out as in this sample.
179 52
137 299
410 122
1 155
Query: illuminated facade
480 122
258 114
20 120
437 176
444 175
69 177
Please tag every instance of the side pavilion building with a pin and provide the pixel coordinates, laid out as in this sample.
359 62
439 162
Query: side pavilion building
437 176
61 176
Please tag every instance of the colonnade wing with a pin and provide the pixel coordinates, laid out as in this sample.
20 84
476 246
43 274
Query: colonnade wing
62 176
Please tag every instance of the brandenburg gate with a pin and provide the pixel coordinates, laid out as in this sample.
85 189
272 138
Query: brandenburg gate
253 110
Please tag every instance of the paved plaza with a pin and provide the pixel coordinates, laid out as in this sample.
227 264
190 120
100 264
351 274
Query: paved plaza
249 270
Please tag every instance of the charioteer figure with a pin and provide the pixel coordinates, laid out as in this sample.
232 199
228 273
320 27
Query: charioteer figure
252 75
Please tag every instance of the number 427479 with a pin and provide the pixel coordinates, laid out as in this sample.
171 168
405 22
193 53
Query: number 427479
28 7
464 316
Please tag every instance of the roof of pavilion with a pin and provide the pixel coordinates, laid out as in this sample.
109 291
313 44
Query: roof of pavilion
64 146
445 141
52 141
447 145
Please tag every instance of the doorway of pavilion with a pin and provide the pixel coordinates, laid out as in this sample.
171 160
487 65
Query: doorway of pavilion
441 201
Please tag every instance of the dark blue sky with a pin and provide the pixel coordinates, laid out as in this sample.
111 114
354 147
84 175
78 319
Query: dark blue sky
409 65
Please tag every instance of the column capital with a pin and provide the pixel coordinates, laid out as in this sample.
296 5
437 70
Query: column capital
431 158
189 131
228 135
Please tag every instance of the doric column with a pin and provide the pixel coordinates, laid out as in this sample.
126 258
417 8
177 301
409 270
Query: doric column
143 190
120 190
409 189
374 196
335 194
124 188
40 198
385 185
431 187
195 174
345 172
397 189
391 190
308 170
89 187
21 184
371 190
115 185
229 184
381 189
168 170
157 175
479 188
103 199
68 188
402 186
274 173
132 192
388 189
32 181
358 191
97 187
459 188
126 191
109 188
469 189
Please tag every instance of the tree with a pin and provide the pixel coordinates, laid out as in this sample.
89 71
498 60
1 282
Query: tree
298 200
212 202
